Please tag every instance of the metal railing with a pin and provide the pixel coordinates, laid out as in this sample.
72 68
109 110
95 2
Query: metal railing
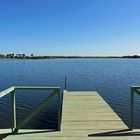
134 89
36 110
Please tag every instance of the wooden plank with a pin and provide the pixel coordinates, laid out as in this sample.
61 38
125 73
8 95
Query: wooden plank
93 125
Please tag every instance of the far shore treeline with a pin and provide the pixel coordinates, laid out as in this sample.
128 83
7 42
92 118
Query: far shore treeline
32 56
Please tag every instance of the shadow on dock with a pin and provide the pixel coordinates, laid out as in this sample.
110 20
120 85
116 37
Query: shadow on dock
2 136
27 131
35 132
117 133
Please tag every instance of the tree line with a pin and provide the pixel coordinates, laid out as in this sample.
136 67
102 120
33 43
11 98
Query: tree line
12 55
24 56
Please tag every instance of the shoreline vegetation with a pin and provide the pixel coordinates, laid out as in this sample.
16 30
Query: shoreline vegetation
23 56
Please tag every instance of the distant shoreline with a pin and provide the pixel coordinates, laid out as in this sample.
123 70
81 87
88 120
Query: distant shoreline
72 57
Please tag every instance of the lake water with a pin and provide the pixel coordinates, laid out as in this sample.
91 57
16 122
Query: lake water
112 78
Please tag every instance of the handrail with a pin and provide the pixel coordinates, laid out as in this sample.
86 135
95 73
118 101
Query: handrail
134 89
56 91
32 88
7 91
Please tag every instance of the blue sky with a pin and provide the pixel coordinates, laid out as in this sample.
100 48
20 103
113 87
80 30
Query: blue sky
70 27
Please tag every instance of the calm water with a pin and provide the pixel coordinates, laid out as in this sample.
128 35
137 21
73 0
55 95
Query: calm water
112 78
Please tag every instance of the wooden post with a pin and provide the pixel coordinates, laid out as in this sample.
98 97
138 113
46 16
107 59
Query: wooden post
131 109
59 110
13 105
65 83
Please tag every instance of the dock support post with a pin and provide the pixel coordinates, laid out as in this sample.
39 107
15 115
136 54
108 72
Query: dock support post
59 110
131 109
13 105
65 83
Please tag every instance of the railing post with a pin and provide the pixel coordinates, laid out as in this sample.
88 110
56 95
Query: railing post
131 109
13 105
59 110
65 83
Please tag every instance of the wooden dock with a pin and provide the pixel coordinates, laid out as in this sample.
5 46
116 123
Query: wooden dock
85 116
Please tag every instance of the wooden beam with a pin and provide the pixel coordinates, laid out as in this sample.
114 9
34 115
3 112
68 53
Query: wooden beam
37 88
7 91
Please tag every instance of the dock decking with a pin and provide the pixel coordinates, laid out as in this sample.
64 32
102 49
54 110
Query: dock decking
85 115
